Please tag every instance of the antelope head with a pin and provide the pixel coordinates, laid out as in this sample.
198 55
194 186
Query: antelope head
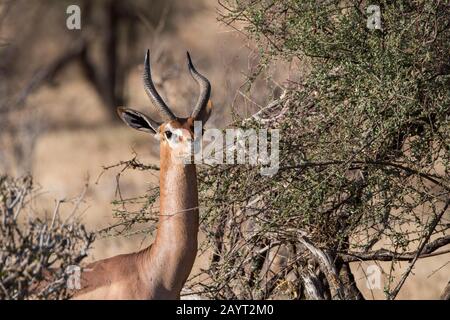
176 135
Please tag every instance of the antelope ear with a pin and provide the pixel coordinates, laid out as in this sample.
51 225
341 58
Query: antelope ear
137 120
204 114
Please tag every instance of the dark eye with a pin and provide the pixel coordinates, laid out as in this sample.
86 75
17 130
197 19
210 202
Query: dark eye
168 134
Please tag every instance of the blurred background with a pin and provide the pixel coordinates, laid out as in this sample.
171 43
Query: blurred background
59 89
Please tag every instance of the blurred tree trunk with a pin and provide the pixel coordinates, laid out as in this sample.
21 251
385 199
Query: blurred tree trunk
111 31
113 93
105 74
108 73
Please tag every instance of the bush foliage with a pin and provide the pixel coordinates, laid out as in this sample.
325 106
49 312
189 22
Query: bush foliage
36 253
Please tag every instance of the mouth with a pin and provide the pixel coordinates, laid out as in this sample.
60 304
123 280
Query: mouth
184 157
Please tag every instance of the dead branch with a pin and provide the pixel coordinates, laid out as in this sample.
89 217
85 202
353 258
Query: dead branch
387 255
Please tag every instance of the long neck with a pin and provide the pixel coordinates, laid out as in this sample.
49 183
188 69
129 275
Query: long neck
173 252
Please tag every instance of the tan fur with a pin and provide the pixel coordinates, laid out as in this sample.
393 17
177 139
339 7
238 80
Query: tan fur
159 271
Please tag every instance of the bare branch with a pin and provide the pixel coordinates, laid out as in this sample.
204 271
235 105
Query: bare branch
387 255
425 239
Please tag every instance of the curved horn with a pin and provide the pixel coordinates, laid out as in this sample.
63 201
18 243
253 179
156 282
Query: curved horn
151 90
205 88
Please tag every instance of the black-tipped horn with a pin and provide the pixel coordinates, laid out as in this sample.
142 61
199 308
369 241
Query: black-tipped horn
205 88
151 90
